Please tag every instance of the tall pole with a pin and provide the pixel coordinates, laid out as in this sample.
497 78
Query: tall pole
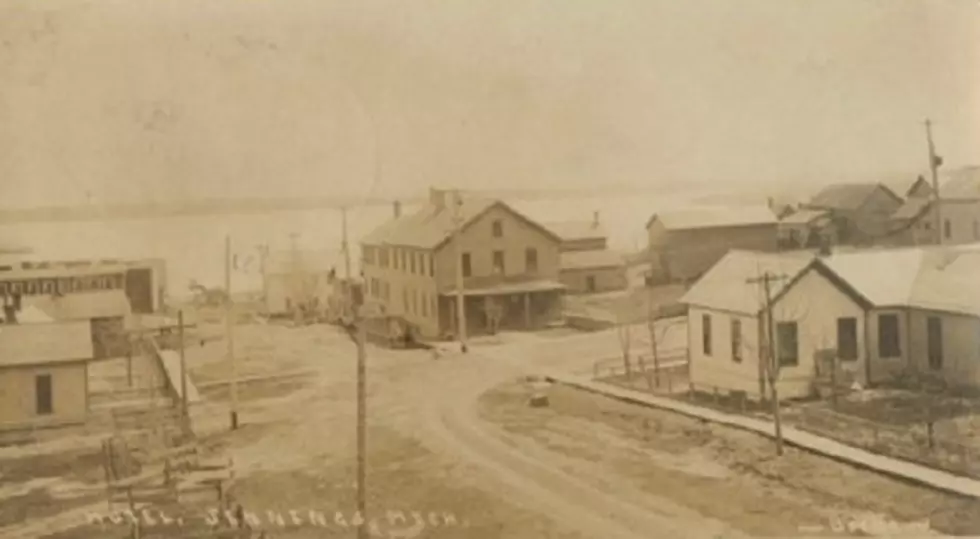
934 162
458 250
345 245
362 426
770 360
230 336
183 364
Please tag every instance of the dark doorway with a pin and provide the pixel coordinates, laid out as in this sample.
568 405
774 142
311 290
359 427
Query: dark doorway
847 345
42 392
139 290
590 283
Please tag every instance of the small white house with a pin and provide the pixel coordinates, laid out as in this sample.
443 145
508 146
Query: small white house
298 279
812 313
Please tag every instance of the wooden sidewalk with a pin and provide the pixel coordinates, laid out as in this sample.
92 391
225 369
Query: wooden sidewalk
900 469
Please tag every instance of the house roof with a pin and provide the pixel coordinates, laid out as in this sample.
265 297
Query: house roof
432 225
32 344
727 285
848 196
804 217
577 230
289 262
714 217
604 258
912 209
940 278
920 183
961 183
82 305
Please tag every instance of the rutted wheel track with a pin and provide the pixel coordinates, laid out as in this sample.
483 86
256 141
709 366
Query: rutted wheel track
584 501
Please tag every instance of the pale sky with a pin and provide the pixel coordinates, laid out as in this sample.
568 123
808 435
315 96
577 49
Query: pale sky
151 100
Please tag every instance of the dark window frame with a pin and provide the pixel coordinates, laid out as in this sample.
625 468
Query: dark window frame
736 338
847 351
531 260
501 268
784 359
497 228
706 335
889 347
44 400
467 264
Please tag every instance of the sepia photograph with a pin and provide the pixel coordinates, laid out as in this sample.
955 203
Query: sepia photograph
489 269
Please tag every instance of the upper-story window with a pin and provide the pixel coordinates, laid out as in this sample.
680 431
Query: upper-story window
498 263
383 257
432 266
498 228
411 260
394 258
531 260
947 229
467 268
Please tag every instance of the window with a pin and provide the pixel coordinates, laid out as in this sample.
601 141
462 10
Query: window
498 262
847 345
947 229
934 327
531 260
888 342
383 257
422 264
425 305
590 283
405 300
706 334
43 394
394 259
432 266
736 340
435 306
411 261
787 344
498 229
415 302
466 265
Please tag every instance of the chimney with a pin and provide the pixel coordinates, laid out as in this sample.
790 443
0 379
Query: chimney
397 209
595 219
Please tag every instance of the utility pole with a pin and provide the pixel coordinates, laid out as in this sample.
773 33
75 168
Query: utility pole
935 162
770 360
183 365
458 249
362 426
345 246
230 335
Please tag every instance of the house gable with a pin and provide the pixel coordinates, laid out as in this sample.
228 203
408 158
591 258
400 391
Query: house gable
500 206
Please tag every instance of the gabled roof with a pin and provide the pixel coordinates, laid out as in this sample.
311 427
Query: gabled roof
432 226
727 285
577 230
912 209
962 183
804 217
604 258
940 278
919 188
848 196
35 344
714 217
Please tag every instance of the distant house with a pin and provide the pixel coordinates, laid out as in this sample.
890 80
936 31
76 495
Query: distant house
587 264
510 267
880 313
861 212
683 244
298 280
806 229
105 310
727 323
915 222
44 374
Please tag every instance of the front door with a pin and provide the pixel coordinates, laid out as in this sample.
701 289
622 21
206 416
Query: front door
935 337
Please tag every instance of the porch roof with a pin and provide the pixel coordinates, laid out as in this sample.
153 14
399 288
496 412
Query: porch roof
510 288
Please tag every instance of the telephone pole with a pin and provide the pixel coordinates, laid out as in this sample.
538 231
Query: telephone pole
770 360
457 248
344 245
934 163
230 335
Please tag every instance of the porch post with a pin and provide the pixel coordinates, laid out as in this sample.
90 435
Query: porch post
527 310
